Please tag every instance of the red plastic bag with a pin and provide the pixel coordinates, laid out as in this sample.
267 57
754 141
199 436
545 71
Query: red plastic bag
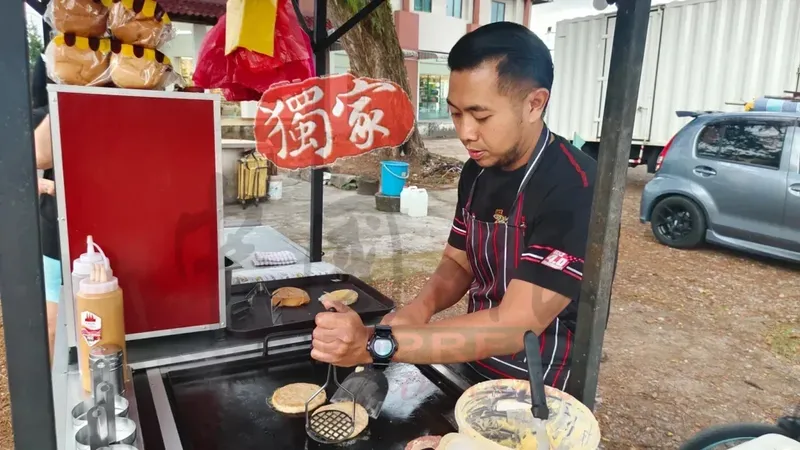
245 75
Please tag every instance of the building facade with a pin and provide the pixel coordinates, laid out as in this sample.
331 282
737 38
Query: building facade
427 30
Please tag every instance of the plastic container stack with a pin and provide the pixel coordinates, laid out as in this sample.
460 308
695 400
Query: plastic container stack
414 201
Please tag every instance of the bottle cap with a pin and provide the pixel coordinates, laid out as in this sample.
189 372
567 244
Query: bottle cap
83 265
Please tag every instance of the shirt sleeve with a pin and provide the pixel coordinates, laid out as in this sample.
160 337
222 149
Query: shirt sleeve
556 249
458 229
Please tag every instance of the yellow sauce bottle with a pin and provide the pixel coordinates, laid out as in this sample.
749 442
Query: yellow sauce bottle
100 317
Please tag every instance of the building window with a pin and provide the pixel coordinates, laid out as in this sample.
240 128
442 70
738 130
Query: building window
498 11
454 8
422 5
433 97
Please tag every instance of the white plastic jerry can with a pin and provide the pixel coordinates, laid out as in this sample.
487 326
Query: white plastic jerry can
405 196
418 206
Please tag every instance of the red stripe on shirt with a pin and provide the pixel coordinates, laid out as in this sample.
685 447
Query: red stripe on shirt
480 263
492 369
496 259
566 356
538 261
575 165
541 343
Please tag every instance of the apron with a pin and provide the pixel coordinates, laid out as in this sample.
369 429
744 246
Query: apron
493 250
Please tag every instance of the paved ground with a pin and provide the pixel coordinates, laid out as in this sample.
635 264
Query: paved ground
695 338
354 232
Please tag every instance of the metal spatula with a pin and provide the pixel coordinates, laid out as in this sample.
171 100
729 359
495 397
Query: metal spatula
369 387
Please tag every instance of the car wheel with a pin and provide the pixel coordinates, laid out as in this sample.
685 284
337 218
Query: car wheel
678 222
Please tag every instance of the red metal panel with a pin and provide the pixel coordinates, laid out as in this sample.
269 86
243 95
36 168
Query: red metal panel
140 176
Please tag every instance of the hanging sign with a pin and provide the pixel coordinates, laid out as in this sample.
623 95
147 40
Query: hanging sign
319 120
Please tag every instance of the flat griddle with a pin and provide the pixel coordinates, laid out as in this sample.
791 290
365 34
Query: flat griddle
225 406
250 313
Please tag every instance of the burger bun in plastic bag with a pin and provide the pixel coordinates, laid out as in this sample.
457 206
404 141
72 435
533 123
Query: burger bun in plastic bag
135 67
148 25
87 18
78 61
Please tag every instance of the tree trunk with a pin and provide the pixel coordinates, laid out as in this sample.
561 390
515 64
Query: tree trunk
374 51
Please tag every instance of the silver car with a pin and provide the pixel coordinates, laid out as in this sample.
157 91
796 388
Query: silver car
731 179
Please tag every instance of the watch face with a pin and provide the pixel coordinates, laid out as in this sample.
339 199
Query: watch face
382 347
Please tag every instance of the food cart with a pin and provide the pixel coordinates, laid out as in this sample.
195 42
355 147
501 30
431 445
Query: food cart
201 380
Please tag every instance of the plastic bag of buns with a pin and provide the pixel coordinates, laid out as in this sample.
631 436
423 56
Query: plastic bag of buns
87 18
78 60
140 22
136 67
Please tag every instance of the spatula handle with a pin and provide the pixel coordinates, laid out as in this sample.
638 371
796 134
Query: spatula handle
538 399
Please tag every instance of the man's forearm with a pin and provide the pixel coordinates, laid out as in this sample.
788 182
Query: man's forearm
445 288
466 338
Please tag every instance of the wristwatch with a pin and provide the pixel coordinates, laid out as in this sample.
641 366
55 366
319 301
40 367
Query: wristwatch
382 346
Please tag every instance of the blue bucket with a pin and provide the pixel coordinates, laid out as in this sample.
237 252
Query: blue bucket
393 177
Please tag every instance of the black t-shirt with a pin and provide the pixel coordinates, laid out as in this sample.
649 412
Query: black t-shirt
556 208
48 209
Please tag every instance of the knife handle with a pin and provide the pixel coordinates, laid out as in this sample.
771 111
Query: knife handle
536 375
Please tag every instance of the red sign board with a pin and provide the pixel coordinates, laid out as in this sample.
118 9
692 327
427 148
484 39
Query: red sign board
319 120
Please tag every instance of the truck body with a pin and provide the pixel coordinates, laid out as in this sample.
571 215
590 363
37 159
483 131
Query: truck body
704 55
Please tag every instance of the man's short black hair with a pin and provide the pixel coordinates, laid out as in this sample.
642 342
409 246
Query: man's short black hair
523 60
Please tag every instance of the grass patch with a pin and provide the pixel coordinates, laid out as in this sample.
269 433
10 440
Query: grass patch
404 265
784 340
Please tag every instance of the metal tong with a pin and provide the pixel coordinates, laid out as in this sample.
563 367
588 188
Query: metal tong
331 426
101 418
242 308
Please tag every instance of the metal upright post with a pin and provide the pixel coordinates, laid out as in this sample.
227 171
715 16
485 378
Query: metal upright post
321 61
627 54
21 286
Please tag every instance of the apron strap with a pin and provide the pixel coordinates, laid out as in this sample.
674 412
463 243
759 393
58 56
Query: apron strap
533 163
472 191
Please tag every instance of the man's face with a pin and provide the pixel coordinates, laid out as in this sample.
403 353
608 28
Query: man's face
490 124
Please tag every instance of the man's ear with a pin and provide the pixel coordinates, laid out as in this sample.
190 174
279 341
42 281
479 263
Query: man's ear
536 103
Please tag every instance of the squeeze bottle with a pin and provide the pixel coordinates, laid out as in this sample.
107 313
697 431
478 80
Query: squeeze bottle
100 318
83 265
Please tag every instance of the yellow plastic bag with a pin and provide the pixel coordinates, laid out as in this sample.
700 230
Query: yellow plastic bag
250 24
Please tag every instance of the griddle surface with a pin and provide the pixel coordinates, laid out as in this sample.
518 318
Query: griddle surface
262 318
225 407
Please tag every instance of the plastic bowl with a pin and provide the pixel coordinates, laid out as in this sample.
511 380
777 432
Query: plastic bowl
571 426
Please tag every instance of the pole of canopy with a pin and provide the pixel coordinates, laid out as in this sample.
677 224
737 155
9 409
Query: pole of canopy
321 44
624 74
320 32
21 272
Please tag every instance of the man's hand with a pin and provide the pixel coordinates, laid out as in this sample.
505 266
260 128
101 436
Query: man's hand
47 187
340 338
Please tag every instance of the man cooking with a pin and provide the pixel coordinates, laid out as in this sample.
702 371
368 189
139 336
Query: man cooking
519 234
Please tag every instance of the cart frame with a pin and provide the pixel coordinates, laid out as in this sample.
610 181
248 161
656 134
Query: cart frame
21 273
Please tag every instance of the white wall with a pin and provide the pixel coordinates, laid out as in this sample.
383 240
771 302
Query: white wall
186 42
548 14
438 32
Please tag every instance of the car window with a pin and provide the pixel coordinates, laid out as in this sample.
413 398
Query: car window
757 143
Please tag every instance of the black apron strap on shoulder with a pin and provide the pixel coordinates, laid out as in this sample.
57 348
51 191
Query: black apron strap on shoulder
533 163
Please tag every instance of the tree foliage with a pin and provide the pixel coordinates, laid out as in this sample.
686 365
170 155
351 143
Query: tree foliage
374 51
35 44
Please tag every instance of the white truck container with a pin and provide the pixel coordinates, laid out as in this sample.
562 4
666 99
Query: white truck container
700 55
